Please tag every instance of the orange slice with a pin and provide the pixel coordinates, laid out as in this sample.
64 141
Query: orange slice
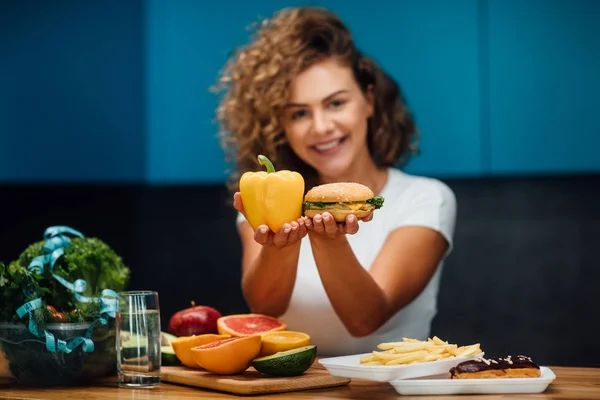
274 342
228 356
182 346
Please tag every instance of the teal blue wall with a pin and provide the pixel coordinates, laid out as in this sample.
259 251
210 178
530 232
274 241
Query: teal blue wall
72 91
187 44
119 90
431 48
544 86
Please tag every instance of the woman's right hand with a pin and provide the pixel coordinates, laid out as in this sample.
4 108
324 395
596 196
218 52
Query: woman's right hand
287 235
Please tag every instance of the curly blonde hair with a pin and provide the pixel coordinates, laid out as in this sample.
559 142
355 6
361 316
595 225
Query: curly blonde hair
256 82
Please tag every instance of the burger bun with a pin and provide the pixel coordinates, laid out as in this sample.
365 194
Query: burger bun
339 192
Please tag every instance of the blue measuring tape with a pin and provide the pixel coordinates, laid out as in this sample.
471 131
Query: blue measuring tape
56 240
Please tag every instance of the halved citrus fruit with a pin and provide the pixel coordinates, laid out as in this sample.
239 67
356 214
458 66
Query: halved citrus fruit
273 342
228 356
287 363
183 346
240 325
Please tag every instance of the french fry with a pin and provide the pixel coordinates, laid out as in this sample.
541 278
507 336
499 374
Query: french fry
367 358
410 340
438 341
412 347
412 351
409 357
467 351
433 357
390 345
439 351
379 355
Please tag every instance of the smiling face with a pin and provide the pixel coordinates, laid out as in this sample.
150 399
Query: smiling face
326 119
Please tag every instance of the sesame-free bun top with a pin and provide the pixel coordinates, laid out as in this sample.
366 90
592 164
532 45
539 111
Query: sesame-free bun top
339 192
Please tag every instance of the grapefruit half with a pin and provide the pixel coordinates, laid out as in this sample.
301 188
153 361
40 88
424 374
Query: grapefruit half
240 325
183 346
228 356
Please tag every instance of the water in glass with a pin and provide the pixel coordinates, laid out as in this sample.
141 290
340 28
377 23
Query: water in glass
138 342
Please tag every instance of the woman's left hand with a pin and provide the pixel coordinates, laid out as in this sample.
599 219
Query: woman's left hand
325 225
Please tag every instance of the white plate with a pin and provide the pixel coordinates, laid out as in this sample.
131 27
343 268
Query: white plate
350 367
444 385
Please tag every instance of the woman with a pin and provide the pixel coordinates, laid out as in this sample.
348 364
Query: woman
303 95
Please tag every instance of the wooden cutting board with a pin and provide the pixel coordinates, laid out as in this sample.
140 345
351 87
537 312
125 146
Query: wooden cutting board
251 381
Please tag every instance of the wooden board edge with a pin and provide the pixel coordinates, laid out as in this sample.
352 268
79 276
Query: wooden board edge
252 391
243 388
325 385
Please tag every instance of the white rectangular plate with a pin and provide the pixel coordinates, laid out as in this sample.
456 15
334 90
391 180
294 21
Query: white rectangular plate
350 367
444 385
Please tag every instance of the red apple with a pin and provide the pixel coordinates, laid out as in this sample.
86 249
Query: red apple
196 320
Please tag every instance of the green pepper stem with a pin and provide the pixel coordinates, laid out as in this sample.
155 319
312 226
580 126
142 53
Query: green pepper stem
265 161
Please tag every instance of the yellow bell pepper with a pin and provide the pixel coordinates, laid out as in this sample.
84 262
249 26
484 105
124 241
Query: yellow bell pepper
271 198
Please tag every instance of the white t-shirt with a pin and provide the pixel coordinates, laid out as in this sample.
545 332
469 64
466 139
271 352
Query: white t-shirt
409 201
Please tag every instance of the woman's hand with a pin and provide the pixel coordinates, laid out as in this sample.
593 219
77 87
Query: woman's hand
287 235
325 225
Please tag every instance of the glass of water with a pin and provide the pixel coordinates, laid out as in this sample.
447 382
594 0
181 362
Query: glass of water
138 339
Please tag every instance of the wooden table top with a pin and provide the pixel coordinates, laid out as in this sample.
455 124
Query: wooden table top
570 383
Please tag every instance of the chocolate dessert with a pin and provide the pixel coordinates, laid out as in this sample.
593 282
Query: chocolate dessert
496 367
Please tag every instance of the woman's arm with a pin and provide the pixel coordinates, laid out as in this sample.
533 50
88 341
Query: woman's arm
365 300
268 271
269 263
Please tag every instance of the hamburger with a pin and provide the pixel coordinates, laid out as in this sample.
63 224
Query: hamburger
340 200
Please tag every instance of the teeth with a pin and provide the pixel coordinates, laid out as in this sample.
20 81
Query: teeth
328 146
